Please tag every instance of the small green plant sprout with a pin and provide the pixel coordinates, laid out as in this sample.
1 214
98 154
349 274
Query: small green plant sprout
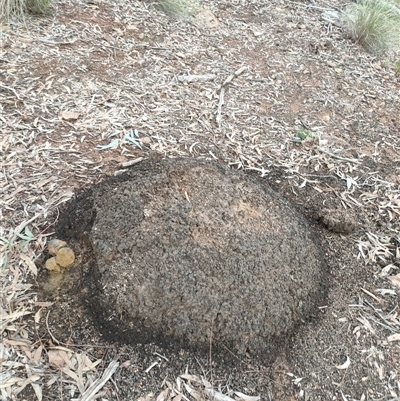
375 24
9 246
131 137
303 135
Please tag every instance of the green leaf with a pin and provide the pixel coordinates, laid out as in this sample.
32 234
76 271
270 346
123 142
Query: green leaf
5 240
23 244
22 236
304 134
28 232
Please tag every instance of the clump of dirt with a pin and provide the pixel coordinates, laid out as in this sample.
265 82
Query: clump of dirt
192 252
338 221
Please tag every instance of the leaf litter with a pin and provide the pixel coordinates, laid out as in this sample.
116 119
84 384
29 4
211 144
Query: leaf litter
94 70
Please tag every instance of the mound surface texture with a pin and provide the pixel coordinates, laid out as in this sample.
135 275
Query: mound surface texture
183 247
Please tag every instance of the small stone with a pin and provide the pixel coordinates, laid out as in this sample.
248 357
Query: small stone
69 115
258 33
145 140
52 265
65 257
55 245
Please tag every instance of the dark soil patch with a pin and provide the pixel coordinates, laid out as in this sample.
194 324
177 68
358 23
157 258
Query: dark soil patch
315 347
189 252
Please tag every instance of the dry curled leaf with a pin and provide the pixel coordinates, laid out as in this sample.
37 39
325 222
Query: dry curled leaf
395 280
246 397
37 354
57 358
394 337
28 261
163 396
344 365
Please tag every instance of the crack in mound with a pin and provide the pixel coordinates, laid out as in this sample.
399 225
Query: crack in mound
183 249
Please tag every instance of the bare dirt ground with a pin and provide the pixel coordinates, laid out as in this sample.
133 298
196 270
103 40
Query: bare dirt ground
236 90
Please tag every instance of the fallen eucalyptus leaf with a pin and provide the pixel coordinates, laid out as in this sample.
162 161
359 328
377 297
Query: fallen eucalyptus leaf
395 280
394 337
345 365
245 397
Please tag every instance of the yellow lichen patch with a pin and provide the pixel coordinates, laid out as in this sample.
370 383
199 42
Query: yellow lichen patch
65 257
55 245
52 265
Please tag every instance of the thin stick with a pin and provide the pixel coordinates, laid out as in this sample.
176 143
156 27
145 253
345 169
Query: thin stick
48 329
371 295
339 157
220 103
222 91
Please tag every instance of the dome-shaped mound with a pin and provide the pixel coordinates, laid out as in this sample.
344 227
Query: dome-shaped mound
184 248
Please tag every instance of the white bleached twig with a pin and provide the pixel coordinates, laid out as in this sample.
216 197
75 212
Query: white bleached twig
222 92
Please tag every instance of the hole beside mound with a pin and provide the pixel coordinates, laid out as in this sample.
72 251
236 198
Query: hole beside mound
176 251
